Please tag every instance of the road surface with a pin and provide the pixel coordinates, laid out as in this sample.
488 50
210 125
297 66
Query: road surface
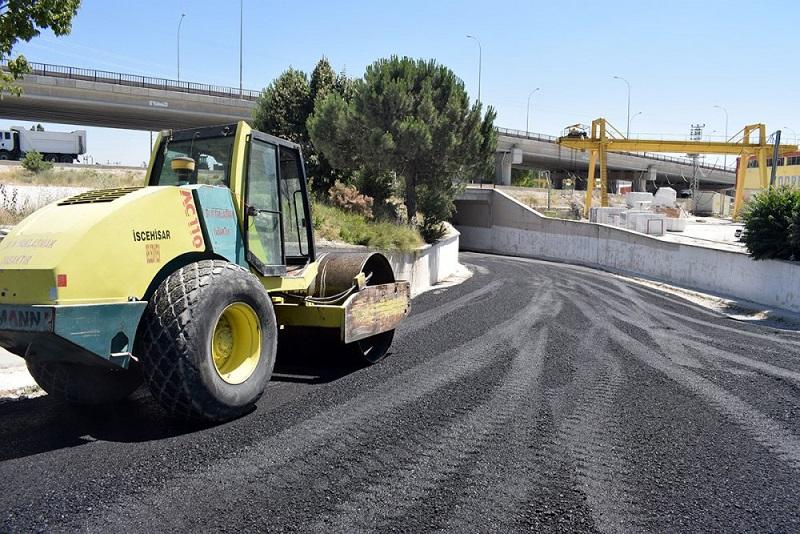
535 396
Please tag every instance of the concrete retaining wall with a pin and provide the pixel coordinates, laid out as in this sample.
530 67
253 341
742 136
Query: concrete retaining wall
428 265
491 221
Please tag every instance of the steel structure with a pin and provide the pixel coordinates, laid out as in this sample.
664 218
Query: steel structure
604 138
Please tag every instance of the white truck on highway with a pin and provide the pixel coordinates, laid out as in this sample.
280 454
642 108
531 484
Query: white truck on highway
64 147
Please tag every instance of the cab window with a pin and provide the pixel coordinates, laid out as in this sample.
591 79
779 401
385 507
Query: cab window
295 232
212 159
263 207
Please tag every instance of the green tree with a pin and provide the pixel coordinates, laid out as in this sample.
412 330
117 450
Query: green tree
283 109
413 118
345 86
23 20
284 106
323 80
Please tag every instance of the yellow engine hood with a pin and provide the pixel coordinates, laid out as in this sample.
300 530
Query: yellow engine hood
100 246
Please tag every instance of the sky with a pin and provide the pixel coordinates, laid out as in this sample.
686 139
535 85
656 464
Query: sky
681 58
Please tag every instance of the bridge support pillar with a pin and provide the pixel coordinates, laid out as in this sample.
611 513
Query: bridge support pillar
652 174
502 175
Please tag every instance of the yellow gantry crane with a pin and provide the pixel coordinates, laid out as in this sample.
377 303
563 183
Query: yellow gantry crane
605 138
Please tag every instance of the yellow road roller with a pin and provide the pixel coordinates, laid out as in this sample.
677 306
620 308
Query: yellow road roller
188 282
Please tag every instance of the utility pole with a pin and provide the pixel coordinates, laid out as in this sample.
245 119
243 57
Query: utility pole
480 63
775 147
241 34
179 45
695 134
549 190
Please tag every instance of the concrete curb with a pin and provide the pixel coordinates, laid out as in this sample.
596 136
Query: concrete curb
429 264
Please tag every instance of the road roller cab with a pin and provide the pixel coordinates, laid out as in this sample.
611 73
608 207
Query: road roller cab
186 281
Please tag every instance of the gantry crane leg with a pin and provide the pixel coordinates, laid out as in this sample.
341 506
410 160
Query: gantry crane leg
741 171
603 176
590 182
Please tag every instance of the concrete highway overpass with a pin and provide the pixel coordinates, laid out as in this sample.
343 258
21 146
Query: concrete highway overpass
71 95
540 151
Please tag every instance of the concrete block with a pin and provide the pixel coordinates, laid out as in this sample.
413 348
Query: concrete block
675 224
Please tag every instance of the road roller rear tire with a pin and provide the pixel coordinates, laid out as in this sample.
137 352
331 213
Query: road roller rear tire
85 384
207 341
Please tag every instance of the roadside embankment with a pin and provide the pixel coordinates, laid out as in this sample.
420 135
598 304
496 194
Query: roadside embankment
492 221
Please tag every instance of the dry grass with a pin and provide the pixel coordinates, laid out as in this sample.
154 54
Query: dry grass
10 218
15 205
13 208
74 177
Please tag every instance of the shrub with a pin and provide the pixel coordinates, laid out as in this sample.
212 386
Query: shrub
772 225
347 198
380 185
34 162
395 209
527 178
436 207
337 225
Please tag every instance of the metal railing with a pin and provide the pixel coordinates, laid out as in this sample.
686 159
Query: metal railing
661 157
135 80
527 135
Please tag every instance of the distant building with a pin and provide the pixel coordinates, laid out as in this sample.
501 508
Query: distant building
787 172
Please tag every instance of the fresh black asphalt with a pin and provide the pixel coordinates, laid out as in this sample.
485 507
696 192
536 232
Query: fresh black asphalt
533 397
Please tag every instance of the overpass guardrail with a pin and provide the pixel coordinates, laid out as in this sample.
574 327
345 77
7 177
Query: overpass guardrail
135 80
553 139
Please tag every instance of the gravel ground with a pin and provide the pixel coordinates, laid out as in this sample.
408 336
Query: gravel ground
533 397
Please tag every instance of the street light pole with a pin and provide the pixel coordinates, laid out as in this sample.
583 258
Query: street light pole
635 115
241 34
179 45
725 158
480 63
528 113
628 130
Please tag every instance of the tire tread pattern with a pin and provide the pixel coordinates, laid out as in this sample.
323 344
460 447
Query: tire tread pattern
165 334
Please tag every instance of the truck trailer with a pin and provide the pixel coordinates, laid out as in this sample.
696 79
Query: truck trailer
64 147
